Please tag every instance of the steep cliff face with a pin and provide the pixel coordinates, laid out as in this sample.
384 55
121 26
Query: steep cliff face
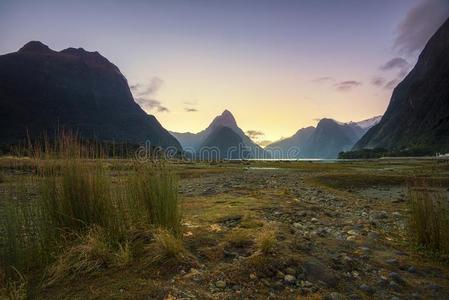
42 90
418 113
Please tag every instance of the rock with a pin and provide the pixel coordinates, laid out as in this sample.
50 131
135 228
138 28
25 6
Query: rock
298 225
314 220
392 261
393 285
221 284
373 236
381 215
290 271
280 275
316 271
334 296
412 269
396 278
290 279
366 289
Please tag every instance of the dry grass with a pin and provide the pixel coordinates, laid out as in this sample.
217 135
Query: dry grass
239 238
154 192
429 219
13 289
167 250
266 241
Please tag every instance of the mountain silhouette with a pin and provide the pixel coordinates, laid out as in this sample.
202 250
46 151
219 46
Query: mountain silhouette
42 90
418 113
192 142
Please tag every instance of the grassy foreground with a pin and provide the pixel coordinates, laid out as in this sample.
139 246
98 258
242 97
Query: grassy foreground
98 228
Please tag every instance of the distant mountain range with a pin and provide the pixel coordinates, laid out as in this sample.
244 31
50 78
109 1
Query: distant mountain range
195 142
418 114
42 90
325 141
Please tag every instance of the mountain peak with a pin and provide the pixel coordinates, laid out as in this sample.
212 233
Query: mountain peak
225 119
36 47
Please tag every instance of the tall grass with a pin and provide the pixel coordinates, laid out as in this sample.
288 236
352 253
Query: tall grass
25 238
155 191
429 219
79 220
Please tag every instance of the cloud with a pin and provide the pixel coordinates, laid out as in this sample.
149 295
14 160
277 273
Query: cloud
151 104
378 81
347 85
255 134
325 79
398 63
145 95
134 87
419 24
392 84
264 143
151 88
189 109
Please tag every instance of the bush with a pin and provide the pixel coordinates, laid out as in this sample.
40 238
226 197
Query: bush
429 219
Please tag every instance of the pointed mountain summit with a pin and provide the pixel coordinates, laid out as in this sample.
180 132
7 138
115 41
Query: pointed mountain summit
418 114
42 90
35 47
192 142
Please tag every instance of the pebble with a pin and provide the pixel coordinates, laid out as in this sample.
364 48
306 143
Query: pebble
221 284
392 261
396 278
334 296
290 271
366 289
290 279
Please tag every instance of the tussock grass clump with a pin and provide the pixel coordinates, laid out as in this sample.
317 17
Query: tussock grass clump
77 195
153 192
89 254
168 250
13 289
266 241
429 219
77 223
25 238
239 238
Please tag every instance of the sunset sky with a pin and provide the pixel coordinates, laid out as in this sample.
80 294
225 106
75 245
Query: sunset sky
276 65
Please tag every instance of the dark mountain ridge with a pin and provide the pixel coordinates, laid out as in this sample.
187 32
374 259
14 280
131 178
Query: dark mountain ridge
326 141
42 90
418 113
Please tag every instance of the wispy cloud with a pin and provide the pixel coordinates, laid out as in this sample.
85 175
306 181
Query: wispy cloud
347 85
419 24
264 143
145 94
151 104
325 79
190 109
397 63
378 81
255 134
392 84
